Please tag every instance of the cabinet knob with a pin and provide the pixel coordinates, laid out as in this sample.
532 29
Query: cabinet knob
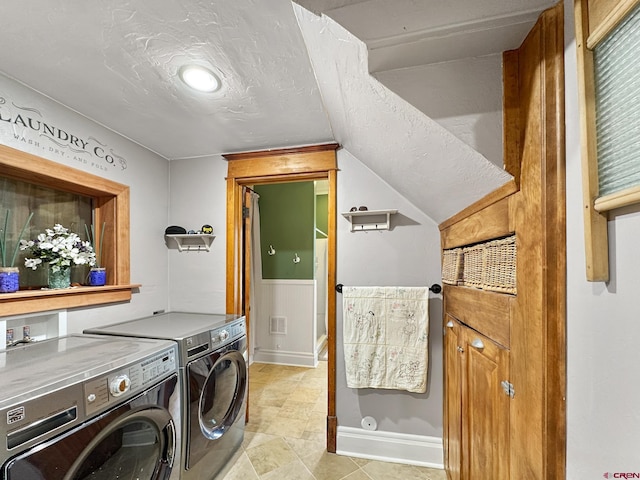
460 349
477 343
449 324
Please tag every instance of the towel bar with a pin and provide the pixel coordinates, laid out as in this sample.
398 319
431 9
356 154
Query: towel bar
435 288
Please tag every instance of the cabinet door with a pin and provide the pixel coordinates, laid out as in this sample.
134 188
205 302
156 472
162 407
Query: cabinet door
485 407
453 399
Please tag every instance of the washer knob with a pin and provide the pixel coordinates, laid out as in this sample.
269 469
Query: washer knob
120 385
224 335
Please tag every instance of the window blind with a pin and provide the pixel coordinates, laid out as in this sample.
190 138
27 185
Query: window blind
617 92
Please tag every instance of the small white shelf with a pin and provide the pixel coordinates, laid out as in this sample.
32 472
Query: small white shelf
363 220
191 241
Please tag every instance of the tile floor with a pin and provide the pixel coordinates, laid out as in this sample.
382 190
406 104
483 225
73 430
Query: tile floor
285 438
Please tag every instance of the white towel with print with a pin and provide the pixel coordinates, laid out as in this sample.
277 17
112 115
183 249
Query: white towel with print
385 333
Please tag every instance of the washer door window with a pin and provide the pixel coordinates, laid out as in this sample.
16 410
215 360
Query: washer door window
135 447
217 389
126 443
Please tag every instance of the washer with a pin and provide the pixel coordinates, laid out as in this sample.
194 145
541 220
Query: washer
213 376
85 406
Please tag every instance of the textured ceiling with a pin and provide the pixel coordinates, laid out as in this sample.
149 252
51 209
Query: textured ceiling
116 62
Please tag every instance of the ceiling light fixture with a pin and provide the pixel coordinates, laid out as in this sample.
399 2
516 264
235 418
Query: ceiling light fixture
199 78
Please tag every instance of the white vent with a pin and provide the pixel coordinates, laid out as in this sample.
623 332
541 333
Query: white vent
278 325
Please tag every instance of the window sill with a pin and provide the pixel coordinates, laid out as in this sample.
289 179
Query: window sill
30 301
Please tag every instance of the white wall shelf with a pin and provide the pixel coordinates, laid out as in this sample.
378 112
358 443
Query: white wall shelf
363 220
190 241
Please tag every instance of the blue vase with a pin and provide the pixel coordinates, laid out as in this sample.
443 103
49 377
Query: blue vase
9 279
60 279
97 276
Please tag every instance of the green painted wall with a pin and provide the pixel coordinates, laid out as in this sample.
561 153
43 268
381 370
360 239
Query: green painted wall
322 214
287 223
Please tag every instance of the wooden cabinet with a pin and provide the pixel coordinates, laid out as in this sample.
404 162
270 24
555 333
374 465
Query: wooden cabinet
517 431
477 404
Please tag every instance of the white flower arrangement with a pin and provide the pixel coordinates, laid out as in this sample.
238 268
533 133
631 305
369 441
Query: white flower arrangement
58 247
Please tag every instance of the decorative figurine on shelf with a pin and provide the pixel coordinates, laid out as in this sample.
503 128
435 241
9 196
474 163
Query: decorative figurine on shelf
208 229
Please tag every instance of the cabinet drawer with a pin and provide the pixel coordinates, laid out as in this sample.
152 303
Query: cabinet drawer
487 312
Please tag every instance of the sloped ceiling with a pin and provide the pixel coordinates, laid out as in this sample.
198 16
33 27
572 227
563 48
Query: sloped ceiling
116 62
406 33
425 162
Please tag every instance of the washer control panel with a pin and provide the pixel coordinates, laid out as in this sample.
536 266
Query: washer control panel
104 391
223 335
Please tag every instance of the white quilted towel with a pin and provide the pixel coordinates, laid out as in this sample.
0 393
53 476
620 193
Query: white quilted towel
386 337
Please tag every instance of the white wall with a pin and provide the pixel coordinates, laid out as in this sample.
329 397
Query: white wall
603 394
464 96
406 255
146 173
198 197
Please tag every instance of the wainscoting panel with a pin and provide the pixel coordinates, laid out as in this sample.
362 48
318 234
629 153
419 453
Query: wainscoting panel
289 305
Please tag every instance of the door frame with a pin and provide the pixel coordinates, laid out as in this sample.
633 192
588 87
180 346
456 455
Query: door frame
317 162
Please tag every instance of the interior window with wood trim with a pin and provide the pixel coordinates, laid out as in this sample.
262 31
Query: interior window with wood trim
608 45
56 193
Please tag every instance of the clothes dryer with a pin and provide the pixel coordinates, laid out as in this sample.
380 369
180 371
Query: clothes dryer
82 406
214 380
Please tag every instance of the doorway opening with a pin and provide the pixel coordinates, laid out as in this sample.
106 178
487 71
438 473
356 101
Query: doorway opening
315 163
289 272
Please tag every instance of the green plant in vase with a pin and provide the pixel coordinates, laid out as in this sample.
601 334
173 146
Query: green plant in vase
9 273
98 273
59 248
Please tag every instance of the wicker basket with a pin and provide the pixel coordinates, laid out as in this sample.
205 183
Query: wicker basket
472 265
452 266
499 265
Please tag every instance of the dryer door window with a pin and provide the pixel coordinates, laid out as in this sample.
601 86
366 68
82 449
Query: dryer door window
217 390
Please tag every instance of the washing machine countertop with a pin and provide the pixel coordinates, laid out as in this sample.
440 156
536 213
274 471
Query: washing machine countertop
170 325
29 370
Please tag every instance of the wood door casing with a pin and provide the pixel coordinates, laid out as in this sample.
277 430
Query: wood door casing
247 206
317 162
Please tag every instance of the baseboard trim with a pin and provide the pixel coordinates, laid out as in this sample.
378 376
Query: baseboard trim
404 448
279 357
320 344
